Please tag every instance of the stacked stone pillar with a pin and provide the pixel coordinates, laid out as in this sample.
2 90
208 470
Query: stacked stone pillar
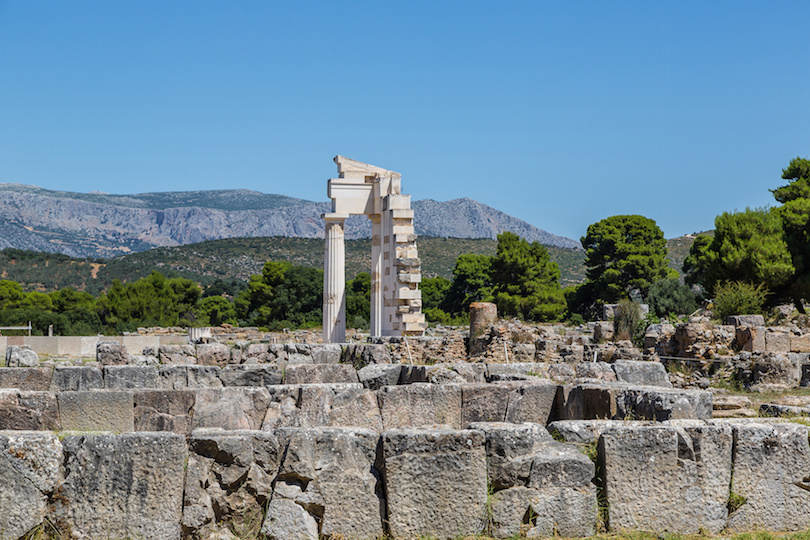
396 301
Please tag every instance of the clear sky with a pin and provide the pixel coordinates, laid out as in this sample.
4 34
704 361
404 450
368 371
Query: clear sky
559 113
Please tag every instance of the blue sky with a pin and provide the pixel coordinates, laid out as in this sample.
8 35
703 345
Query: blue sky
559 113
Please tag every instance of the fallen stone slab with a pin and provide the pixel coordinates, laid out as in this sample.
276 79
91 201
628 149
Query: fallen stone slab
332 474
591 401
21 356
163 410
97 410
231 408
26 378
666 477
435 482
123 486
189 376
745 320
29 468
251 375
641 373
770 487
774 409
33 411
375 376
76 378
229 481
320 374
420 404
126 377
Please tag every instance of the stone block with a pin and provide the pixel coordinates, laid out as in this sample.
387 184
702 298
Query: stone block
331 473
97 410
21 356
537 402
124 486
229 481
286 519
188 376
484 403
551 512
32 379
327 353
320 374
230 408
745 320
177 354
111 353
777 342
800 344
510 450
375 376
125 377
750 338
652 403
771 466
470 373
322 405
25 410
595 370
435 482
29 468
642 373
420 404
362 354
581 431
413 374
76 378
251 375
441 374
163 410
516 371
667 478
213 354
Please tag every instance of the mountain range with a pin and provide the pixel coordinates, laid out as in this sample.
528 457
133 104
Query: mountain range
105 225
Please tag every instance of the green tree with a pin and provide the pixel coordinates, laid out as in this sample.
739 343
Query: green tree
434 297
282 296
216 310
624 254
747 246
358 301
11 294
670 296
471 283
68 298
795 215
525 280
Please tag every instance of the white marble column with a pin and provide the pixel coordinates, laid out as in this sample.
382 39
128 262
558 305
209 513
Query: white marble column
376 275
334 280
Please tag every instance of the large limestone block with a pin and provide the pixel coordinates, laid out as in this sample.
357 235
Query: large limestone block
177 354
189 376
483 403
287 520
213 354
124 377
800 344
642 373
537 402
361 355
111 353
581 431
31 379
76 378
510 451
229 480
320 374
667 478
29 467
375 376
20 410
652 403
251 375
551 512
230 408
777 342
332 473
771 467
435 481
97 410
123 486
560 465
322 405
163 410
21 356
420 404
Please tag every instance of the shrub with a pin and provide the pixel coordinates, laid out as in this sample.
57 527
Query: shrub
739 298
670 296
626 320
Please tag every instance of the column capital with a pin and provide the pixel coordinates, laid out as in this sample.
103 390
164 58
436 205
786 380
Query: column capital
335 217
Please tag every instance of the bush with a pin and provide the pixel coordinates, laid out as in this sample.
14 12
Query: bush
670 296
739 298
626 320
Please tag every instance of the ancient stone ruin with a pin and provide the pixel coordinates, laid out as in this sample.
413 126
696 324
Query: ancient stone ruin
396 301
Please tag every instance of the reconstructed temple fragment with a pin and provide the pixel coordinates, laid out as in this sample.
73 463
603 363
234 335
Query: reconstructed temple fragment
396 301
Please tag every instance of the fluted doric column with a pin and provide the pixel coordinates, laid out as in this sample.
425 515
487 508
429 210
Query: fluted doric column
334 280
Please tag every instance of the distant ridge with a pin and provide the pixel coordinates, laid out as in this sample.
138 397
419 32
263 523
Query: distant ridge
105 225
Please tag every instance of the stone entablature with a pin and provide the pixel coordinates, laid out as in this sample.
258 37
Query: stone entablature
396 301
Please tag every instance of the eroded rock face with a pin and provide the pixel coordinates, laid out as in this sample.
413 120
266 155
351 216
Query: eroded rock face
29 467
133 480
435 481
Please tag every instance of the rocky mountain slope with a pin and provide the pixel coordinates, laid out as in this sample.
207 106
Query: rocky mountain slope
105 225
